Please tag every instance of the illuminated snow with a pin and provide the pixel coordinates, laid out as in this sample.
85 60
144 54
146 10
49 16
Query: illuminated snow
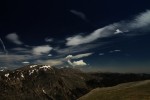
32 66
6 75
31 72
45 67
44 91
22 75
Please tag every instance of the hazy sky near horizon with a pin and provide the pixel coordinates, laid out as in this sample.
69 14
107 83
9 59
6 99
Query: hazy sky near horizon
93 34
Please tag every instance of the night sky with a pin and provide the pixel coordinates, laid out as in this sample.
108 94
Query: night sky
93 35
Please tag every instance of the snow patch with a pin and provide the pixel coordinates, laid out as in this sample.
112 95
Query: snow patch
44 91
22 75
31 72
6 75
45 67
32 66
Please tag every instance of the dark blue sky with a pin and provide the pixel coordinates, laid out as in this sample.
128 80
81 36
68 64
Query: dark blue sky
98 35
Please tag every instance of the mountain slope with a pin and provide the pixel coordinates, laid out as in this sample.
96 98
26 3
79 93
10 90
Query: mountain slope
127 91
43 82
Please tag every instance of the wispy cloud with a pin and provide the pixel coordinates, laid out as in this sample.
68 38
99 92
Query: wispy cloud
19 56
52 62
78 56
112 51
12 57
140 21
78 39
3 45
39 50
101 54
49 55
77 49
117 50
14 60
21 50
14 38
79 14
48 39
18 49
118 31
25 62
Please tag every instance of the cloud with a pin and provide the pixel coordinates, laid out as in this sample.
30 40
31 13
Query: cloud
25 62
3 45
48 39
117 50
14 60
39 50
69 62
13 37
140 21
78 39
77 63
112 51
78 56
49 55
77 49
20 50
79 14
14 57
52 62
101 54
69 56
99 33
118 31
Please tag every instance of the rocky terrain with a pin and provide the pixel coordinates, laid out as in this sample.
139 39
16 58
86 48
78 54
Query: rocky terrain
44 82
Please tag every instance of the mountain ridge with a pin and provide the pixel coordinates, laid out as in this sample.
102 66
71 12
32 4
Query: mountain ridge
45 82
126 91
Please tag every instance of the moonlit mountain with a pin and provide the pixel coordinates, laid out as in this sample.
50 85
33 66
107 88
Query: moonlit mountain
63 49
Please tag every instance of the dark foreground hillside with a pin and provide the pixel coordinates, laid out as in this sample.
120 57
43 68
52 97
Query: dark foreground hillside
125 91
43 82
